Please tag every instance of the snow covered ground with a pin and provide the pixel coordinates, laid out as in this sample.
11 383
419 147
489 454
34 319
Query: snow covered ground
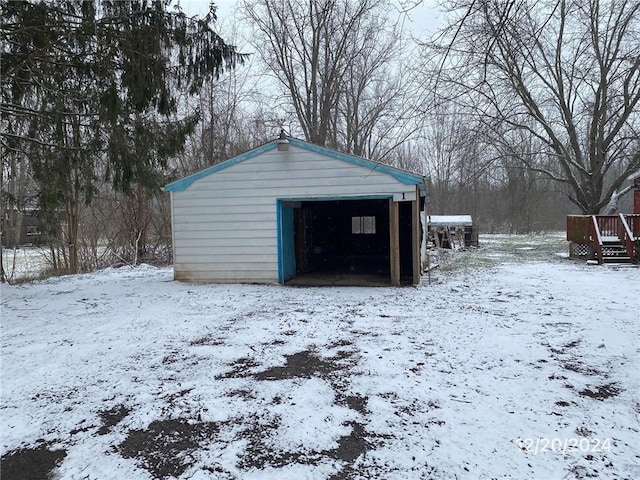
515 362
25 262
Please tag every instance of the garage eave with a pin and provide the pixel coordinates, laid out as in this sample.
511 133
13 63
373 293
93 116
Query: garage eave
403 176
184 183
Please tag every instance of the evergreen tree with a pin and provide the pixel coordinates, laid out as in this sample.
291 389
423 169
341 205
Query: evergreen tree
95 88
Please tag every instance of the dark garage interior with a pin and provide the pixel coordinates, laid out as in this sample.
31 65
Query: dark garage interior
348 242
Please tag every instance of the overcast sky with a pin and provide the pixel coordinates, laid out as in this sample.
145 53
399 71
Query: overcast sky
425 18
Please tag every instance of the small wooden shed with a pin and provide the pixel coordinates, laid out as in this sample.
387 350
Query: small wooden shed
289 211
452 231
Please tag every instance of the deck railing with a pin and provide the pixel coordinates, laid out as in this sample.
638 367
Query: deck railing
595 230
627 236
596 237
578 229
634 224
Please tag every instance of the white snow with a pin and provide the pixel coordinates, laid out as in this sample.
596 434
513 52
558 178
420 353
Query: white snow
450 220
501 350
25 261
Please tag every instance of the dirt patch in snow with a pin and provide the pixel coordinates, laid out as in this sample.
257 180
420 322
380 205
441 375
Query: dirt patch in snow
239 369
208 340
110 418
305 364
165 448
36 463
351 446
260 453
602 392
575 366
299 365
356 402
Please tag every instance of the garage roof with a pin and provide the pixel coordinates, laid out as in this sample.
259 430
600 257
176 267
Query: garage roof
403 176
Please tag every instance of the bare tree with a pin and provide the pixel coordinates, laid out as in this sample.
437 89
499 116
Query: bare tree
377 109
231 110
16 192
234 120
565 71
338 64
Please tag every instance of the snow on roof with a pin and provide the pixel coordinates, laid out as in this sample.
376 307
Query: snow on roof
450 220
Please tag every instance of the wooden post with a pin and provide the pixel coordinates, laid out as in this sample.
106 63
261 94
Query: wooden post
394 242
415 237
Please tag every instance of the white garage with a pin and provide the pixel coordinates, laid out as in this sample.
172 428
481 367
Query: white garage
294 213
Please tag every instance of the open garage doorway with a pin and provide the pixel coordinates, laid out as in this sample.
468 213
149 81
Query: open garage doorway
343 242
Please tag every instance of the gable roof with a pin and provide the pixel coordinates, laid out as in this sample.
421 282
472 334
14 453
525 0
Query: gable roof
403 176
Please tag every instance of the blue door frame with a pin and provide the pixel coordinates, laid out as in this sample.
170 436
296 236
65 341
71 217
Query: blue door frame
286 242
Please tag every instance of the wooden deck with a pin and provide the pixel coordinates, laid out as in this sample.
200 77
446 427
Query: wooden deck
605 238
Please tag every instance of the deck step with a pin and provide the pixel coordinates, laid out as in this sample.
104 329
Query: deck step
609 260
614 252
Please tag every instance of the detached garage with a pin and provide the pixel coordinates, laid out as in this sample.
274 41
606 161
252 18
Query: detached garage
295 213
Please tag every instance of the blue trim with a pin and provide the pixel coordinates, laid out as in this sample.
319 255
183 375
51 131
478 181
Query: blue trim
184 183
403 176
288 244
286 248
279 235
334 199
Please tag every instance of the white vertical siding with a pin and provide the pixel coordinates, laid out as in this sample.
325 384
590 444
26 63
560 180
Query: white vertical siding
225 225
